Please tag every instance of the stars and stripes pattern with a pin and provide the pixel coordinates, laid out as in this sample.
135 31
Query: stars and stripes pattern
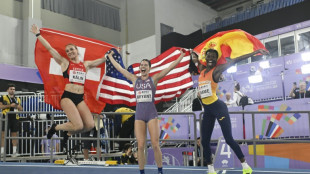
116 89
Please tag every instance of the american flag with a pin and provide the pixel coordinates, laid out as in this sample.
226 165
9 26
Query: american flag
116 89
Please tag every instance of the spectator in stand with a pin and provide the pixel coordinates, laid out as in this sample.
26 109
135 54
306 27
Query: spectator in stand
46 145
308 86
229 101
195 60
198 155
192 64
197 104
300 92
237 94
128 125
129 157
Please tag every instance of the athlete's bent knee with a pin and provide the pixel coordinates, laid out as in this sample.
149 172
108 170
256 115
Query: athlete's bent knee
88 127
78 127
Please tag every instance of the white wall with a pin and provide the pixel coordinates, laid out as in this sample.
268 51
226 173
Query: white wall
142 49
72 25
11 8
11 40
79 27
138 33
183 15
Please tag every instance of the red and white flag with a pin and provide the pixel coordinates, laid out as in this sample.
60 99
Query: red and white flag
116 89
50 71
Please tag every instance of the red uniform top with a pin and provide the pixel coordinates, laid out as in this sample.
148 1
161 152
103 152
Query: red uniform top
75 73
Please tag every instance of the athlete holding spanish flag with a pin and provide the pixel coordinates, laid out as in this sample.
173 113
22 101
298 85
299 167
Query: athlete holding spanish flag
215 109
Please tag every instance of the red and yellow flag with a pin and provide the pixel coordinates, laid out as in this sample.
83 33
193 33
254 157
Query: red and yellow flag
232 43
89 49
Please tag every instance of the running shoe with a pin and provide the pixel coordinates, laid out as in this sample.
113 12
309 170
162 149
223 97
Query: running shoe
65 140
247 171
51 132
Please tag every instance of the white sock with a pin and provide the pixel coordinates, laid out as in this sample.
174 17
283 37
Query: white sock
14 149
245 165
211 168
2 149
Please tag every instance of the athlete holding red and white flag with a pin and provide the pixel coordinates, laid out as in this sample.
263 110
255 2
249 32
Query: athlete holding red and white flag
74 74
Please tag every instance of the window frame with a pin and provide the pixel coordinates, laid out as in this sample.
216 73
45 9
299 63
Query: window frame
297 32
285 35
274 38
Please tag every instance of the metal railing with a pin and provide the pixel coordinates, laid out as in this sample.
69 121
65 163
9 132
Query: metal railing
185 103
254 141
78 138
29 138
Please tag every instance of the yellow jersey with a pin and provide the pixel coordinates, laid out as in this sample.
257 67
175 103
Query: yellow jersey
6 100
207 87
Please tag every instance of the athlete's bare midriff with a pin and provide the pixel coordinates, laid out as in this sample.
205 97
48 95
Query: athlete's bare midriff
74 88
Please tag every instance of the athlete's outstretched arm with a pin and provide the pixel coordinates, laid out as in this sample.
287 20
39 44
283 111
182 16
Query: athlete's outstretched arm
94 63
164 72
221 68
59 59
127 74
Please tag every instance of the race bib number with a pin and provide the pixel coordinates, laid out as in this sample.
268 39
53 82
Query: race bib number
77 76
205 90
144 96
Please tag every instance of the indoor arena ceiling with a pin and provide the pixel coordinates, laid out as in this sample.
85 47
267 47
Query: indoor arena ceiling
220 5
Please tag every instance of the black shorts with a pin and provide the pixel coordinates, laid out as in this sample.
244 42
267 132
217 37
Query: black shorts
86 144
75 98
13 125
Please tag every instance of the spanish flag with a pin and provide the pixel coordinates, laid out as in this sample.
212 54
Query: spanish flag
232 43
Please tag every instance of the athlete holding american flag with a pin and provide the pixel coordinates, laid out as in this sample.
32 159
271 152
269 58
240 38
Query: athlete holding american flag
146 113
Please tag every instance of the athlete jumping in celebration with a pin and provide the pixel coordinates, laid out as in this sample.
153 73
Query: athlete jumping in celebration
215 109
72 102
146 113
